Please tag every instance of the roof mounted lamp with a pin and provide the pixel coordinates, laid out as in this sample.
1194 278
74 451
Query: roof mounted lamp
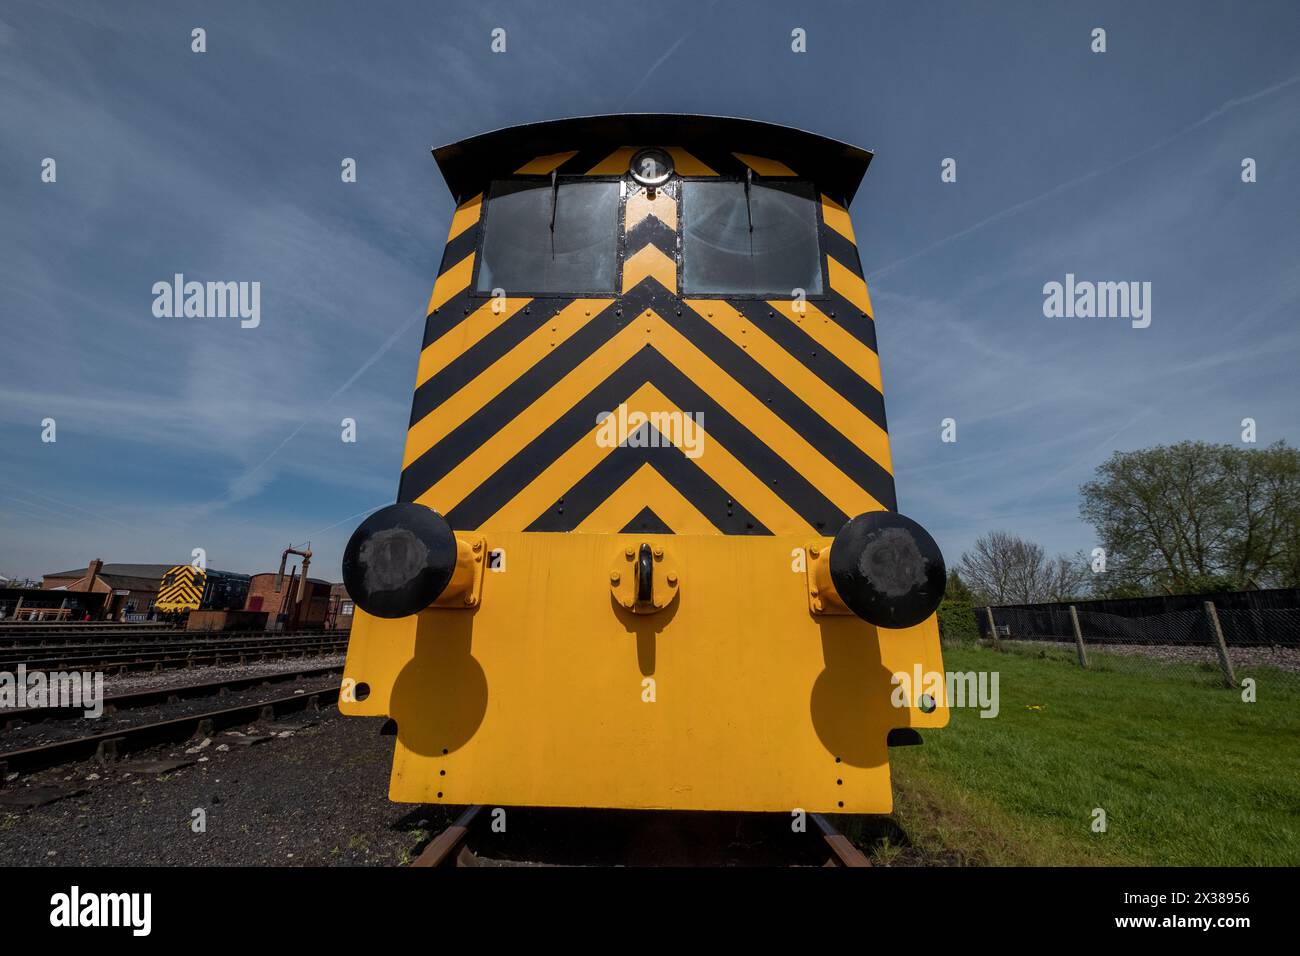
651 168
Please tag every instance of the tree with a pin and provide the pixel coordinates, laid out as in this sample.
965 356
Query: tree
1003 568
1195 517
956 589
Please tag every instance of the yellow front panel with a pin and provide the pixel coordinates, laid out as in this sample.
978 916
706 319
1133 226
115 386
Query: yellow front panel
539 696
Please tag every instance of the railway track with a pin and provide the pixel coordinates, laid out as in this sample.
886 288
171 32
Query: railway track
93 627
114 743
454 846
163 656
161 695
157 636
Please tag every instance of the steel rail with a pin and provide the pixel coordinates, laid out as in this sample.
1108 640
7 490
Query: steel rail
112 744
160 695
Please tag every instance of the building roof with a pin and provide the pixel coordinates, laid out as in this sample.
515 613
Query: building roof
126 582
135 577
153 572
263 574
470 164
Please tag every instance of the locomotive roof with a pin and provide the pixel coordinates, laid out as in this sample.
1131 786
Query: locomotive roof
836 167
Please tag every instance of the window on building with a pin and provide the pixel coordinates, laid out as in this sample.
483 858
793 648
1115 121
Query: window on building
763 245
522 254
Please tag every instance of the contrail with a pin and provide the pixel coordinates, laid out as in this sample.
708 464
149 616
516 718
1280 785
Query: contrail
379 353
359 514
1012 210
660 62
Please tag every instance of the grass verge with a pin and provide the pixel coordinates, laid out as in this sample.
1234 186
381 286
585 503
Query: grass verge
1186 772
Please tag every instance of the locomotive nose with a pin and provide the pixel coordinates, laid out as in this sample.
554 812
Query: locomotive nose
887 569
399 560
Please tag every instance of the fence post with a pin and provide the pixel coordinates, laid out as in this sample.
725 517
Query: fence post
1225 663
1078 637
993 629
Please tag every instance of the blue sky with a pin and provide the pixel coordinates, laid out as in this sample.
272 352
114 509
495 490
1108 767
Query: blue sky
178 434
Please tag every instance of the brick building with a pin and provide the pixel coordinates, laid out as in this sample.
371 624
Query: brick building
129 589
341 608
263 596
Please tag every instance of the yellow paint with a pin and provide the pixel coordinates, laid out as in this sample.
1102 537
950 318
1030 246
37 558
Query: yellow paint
467 214
543 165
831 336
849 285
510 438
646 262
662 207
837 217
452 282
585 454
646 488
498 376
834 408
615 164
536 695
650 329
765 424
765 167
685 164
468 332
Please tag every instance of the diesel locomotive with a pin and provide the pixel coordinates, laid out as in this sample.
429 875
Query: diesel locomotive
186 588
645 550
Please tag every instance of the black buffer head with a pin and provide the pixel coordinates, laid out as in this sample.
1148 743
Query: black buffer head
399 560
887 569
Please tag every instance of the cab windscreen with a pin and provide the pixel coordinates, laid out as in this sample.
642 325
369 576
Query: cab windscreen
755 239
541 238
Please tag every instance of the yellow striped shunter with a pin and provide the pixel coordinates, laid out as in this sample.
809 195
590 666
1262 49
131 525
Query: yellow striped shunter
186 588
181 589
646 552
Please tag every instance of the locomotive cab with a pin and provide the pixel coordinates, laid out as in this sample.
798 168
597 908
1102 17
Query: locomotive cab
646 550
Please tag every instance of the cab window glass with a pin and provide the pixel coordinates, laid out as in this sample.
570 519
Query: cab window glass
722 255
522 254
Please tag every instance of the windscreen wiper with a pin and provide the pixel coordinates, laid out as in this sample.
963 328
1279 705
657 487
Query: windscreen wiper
555 195
749 179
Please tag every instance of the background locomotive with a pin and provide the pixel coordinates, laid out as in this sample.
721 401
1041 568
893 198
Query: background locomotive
185 588
645 552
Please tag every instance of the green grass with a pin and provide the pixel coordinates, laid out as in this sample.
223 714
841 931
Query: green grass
1187 773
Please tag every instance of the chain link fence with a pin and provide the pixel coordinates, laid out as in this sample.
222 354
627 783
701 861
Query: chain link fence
1208 643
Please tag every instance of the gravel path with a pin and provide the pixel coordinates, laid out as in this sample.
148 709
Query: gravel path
148 680
49 731
315 795
1243 658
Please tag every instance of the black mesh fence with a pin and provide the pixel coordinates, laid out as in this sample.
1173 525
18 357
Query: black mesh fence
1181 638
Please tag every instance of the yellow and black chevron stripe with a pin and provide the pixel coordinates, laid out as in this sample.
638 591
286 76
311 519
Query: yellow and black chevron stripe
503 425
181 589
